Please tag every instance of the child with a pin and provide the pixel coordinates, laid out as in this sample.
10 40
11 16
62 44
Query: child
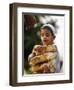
44 58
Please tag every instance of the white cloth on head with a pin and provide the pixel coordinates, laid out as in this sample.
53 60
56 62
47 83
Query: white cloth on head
50 26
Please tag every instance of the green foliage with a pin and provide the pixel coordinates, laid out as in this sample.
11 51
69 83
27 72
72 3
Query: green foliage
31 38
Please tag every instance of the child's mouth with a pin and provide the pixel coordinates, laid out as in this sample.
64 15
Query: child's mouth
45 40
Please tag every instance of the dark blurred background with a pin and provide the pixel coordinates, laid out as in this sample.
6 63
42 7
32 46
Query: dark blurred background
31 37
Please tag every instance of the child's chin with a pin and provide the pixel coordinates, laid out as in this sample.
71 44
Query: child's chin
45 43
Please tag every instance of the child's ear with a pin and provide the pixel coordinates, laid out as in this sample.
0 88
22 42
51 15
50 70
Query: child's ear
54 37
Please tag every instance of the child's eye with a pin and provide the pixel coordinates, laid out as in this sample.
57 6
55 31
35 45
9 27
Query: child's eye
42 34
47 34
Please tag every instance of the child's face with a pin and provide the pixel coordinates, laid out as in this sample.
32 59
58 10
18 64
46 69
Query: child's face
46 37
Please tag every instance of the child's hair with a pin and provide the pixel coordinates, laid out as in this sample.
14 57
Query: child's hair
50 28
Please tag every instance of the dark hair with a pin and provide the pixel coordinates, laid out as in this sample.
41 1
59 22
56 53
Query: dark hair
49 29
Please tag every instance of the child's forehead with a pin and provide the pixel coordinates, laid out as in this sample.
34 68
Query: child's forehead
45 31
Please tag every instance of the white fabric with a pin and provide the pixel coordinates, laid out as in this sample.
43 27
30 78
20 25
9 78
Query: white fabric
50 26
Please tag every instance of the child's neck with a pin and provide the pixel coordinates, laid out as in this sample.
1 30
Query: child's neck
48 44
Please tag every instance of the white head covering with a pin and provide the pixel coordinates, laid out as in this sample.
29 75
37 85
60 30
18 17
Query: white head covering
50 26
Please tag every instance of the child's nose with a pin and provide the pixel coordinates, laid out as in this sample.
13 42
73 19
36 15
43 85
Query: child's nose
44 37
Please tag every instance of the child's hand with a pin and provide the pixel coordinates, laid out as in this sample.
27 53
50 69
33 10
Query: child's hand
45 68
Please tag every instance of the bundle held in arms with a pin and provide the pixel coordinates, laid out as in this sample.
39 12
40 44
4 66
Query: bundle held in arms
42 55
